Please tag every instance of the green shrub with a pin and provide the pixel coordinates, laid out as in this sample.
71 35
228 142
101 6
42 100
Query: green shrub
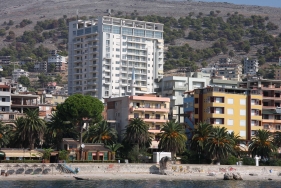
274 162
230 160
248 161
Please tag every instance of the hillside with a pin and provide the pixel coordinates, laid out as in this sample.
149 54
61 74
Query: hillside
196 32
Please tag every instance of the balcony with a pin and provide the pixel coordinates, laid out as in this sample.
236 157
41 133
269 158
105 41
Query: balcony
268 120
148 109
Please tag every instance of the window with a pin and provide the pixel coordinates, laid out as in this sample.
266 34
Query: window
116 30
139 32
124 37
124 44
146 116
147 105
158 35
242 101
3 109
230 111
157 127
107 28
127 31
243 123
149 34
230 122
157 116
11 117
3 99
243 133
242 112
107 35
196 110
229 101
278 127
136 115
107 42
196 100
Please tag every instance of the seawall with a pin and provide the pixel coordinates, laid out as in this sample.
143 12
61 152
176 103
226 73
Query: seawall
142 168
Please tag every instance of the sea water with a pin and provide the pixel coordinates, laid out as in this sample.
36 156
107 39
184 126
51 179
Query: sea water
137 184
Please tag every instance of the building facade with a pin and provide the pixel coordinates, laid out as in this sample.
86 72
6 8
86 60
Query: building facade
152 109
251 66
18 73
103 53
40 66
239 110
271 101
58 61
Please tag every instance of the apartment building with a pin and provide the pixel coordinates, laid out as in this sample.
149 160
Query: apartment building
277 73
271 101
226 69
5 60
151 108
104 52
58 61
40 66
18 73
251 66
239 110
175 86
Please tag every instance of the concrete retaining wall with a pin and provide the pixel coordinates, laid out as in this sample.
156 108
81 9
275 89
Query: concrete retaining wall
89 168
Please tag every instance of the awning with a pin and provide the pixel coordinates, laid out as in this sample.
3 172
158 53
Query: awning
14 153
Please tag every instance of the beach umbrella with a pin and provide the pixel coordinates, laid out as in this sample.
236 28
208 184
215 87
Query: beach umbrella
34 166
17 165
52 165
43 166
8 167
25 165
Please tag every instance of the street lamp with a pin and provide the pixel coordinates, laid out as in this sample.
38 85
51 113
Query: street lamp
82 146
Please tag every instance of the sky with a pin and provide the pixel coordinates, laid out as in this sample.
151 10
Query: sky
271 3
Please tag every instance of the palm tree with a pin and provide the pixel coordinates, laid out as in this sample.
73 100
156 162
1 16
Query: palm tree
277 139
201 135
31 127
57 128
101 133
136 133
172 138
236 146
219 144
114 148
5 134
262 144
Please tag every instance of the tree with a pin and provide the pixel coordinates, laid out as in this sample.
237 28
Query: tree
262 144
101 133
47 154
231 53
201 134
24 81
43 79
219 144
57 128
136 133
204 64
51 67
58 78
79 109
277 139
5 134
113 149
31 127
172 138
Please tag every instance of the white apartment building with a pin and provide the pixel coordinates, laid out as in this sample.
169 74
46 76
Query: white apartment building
59 62
103 53
251 66
18 73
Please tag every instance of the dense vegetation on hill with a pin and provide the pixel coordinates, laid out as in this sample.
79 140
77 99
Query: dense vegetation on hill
236 31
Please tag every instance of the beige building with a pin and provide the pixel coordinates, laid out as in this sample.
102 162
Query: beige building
151 108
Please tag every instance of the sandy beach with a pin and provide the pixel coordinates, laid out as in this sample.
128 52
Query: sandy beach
136 176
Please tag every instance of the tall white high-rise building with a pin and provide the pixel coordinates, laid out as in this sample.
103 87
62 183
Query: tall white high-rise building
104 52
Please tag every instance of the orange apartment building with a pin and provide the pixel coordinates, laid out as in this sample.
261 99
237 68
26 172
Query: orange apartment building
151 108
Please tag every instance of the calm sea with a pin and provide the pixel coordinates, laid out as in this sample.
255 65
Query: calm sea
139 184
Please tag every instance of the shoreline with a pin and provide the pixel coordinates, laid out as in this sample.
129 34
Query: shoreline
137 176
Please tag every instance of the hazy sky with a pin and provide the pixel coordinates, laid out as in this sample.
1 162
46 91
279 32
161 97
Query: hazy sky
272 3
